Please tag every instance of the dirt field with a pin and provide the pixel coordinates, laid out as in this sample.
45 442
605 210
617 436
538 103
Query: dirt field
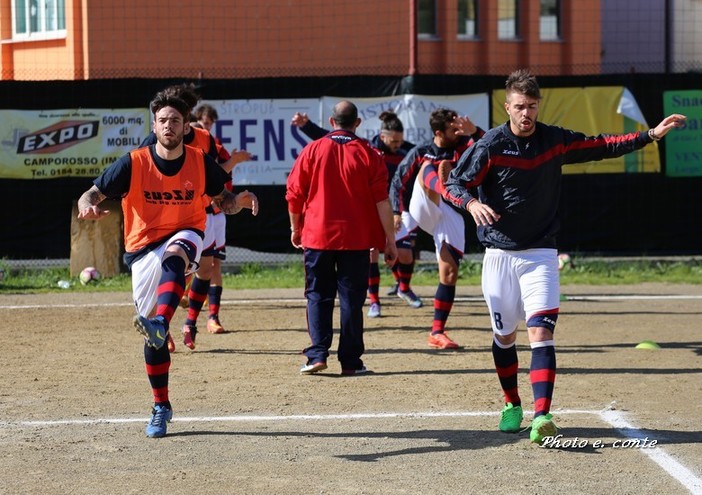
74 401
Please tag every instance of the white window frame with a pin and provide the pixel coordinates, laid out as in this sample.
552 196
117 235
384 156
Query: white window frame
47 16
508 29
550 25
433 35
476 27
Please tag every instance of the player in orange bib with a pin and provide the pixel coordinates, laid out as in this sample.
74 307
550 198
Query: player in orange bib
164 189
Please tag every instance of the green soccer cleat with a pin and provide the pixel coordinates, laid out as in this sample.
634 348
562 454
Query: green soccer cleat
542 427
511 420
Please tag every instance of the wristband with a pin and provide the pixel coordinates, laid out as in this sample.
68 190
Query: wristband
653 136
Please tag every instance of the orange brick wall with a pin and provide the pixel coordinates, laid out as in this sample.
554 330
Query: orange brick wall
269 38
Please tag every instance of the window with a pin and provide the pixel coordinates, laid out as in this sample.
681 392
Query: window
468 18
550 20
38 19
507 19
426 17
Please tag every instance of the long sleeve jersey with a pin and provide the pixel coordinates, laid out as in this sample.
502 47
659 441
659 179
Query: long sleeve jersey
520 179
402 183
335 185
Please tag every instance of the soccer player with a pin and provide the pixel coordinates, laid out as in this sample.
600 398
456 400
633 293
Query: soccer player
510 183
206 116
196 295
164 189
451 136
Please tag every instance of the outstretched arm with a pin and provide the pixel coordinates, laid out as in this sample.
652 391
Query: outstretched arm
668 123
88 208
312 130
236 157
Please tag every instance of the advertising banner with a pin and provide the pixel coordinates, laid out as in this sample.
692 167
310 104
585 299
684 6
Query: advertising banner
683 147
263 128
79 143
413 111
67 143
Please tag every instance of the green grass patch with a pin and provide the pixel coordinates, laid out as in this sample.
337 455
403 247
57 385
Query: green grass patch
257 276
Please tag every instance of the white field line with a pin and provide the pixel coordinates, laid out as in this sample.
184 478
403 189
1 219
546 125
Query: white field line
131 304
631 297
265 418
686 477
243 302
614 418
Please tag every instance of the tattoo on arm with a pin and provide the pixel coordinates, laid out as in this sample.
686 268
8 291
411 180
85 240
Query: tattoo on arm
91 197
226 201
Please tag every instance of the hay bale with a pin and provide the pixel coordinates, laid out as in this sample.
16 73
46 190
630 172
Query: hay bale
98 243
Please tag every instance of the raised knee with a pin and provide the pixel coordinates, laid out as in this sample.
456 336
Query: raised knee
506 340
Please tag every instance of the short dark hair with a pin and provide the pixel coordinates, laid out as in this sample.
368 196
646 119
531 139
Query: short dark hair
163 99
345 114
185 92
440 119
524 82
390 122
206 110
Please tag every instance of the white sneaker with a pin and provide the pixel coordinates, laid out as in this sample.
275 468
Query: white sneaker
374 310
410 298
308 369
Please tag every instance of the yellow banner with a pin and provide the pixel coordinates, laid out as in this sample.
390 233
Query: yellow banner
50 144
592 111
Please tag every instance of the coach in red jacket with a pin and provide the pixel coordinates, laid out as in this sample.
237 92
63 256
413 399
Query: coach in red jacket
339 209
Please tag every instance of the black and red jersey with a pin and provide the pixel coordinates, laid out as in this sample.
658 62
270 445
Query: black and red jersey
402 183
520 179
392 160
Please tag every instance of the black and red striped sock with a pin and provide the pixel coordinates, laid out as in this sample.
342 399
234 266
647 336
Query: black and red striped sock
507 366
158 362
214 298
395 272
443 302
542 375
404 275
170 287
374 282
197 296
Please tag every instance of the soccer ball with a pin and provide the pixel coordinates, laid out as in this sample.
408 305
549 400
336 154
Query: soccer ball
89 274
564 260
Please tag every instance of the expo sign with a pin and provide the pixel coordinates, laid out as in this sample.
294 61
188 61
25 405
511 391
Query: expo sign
58 137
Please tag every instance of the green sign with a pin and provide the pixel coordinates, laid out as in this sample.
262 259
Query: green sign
683 147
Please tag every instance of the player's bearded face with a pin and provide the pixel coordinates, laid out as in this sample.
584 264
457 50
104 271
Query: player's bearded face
449 138
392 139
169 127
523 111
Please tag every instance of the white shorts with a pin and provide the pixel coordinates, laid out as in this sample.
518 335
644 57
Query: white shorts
440 221
518 285
146 271
215 235
409 225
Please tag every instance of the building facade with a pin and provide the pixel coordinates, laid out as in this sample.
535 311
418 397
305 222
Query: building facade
75 39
